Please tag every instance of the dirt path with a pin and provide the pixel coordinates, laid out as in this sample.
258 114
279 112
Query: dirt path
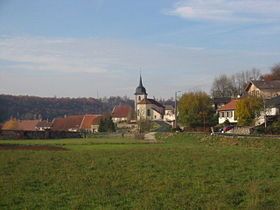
150 137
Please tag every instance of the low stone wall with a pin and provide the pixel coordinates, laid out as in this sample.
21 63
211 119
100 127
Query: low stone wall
10 134
241 130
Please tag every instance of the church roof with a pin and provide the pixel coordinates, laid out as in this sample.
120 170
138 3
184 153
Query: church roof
140 90
151 101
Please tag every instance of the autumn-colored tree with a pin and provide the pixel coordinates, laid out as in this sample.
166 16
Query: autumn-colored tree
195 109
11 124
247 109
274 73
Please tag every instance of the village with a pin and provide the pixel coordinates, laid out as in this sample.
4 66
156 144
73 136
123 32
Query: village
149 115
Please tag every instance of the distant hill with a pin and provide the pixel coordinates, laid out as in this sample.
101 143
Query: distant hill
31 107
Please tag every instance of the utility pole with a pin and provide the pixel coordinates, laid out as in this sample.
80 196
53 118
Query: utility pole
264 107
175 123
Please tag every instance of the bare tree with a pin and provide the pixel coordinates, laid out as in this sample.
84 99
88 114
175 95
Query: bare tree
244 77
231 86
223 86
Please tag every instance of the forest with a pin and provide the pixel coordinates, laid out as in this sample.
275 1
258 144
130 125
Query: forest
32 107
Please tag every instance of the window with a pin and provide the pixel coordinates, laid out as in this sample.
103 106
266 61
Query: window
148 112
223 114
138 112
139 98
229 114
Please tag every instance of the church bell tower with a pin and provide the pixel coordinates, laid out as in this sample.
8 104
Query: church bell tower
140 93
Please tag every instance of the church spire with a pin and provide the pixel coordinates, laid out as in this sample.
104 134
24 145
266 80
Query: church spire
140 90
140 82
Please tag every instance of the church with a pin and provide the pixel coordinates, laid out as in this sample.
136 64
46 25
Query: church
147 108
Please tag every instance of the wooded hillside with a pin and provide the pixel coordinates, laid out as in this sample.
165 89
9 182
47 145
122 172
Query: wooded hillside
31 107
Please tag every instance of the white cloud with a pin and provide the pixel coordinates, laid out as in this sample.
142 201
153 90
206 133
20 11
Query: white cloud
228 10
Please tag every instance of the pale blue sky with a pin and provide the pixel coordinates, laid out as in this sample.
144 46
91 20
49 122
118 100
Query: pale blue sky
78 48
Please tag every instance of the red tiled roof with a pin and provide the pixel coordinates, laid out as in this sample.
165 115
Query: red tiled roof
229 106
67 123
90 120
121 111
44 124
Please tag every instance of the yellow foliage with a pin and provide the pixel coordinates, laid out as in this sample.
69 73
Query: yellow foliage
10 125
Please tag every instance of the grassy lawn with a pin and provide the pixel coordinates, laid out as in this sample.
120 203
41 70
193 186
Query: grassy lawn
182 172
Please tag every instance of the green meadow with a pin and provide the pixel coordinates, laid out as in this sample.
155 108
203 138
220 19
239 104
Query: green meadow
181 171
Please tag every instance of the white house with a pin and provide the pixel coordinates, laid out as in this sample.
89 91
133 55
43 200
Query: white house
227 112
272 110
169 114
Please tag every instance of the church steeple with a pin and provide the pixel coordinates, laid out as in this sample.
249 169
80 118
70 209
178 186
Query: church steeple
140 82
140 90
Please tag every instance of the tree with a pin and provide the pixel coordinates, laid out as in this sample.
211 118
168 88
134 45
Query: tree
242 79
195 109
223 86
247 109
233 85
106 125
274 73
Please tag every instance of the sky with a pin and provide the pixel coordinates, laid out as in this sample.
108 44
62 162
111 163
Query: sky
97 48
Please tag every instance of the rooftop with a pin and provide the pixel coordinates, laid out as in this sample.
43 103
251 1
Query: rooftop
121 111
151 101
265 85
229 106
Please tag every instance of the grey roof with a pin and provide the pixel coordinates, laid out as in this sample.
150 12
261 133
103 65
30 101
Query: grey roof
222 100
140 90
265 85
169 107
151 101
274 102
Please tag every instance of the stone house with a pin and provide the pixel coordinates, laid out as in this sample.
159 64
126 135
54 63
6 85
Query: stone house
265 89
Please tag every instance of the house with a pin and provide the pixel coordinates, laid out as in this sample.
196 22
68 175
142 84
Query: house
77 123
146 108
67 123
20 125
272 109
43 125
90 123
265 89
228 112
122 113
169 113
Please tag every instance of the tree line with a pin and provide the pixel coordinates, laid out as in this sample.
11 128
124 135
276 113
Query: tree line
30 107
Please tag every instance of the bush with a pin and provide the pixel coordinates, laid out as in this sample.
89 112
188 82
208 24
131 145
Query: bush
107 125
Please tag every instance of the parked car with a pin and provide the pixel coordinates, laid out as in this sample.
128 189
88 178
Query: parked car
227 128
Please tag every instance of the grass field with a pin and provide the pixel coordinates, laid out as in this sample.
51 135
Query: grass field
182 172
